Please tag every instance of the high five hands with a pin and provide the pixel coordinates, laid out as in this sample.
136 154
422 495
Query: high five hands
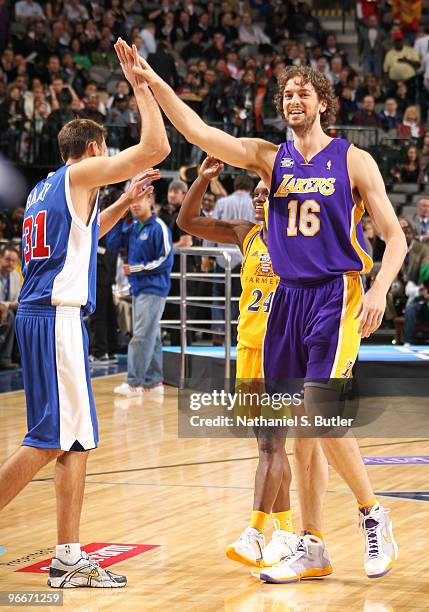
129 61
136 69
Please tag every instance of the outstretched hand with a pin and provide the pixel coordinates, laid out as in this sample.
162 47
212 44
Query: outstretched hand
128 59
139 188
142 70
210 168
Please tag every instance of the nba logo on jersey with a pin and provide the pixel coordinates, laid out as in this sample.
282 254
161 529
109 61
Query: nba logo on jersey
329 164
286 162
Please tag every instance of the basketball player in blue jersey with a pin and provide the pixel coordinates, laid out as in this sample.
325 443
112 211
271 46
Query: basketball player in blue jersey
59 245
319 189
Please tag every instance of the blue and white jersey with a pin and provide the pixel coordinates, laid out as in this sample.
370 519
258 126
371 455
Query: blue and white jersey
59 252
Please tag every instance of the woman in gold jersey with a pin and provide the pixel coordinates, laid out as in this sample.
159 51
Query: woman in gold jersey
273 474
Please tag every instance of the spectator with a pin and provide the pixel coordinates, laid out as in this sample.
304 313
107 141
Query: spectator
217 50
103 56
421 219
425 158
10 284
251 34
390 117
12 119
409 171
304 25
416 312
402 97
228 28
370 45
347 107
401 62
421 44
149 263
331 50
194 48
90 110
238 205
163 63
415 269
241 102
75 12
375 241
28 10
148 37
370 87
121 87
232 67
411 126
336 67
322 65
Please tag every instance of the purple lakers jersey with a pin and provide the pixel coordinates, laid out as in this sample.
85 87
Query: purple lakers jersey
314 225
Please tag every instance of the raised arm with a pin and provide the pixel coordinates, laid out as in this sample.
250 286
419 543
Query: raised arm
250 153
190 219
367 181
152 148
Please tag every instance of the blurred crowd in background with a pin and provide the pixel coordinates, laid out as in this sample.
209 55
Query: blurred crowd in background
57 62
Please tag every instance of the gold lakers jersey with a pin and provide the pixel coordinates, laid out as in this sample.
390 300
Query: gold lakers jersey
258 284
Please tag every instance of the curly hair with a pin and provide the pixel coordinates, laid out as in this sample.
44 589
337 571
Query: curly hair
320 83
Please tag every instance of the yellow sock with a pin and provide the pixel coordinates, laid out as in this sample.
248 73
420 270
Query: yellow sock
258 520
318 534
285 520
368 505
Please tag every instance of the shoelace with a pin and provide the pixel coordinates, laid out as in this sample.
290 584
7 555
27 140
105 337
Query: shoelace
371 533
93 565
372 539
301 548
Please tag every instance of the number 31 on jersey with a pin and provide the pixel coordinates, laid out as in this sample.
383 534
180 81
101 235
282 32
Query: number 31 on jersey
34 236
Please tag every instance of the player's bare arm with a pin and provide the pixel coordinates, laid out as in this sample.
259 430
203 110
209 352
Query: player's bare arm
215 230
138 188
93 172
249 153
369 186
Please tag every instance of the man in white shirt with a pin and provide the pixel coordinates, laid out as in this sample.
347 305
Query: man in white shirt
148 37
251 34
27 10
421 219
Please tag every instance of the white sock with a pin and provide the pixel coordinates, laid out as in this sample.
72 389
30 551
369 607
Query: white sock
68 553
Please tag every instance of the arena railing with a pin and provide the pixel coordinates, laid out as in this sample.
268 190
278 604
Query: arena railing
186 300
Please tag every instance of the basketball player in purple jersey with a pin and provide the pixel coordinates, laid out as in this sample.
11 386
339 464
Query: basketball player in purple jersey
318 189
61 227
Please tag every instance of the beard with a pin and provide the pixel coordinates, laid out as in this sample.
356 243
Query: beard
305 126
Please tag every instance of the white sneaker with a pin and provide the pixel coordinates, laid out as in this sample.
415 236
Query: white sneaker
248 548
282 544
309 560
381 550
84 573
156 390
127 391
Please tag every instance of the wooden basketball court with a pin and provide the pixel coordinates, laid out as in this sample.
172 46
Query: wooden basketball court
191 497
